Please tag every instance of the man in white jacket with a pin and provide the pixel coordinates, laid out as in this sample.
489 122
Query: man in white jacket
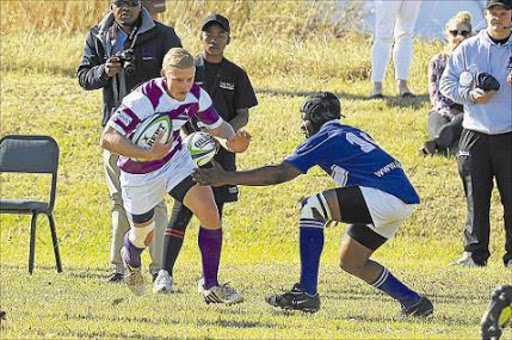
394 21
478 77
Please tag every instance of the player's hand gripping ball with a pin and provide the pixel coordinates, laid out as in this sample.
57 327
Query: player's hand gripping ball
147 133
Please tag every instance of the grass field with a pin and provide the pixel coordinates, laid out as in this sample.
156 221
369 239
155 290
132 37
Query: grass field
39 95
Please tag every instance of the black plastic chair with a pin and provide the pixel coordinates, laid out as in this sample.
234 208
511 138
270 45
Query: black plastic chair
31 154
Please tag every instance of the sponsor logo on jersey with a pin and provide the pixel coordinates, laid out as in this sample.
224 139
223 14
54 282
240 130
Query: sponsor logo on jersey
227 86
185 115
388 168
124 118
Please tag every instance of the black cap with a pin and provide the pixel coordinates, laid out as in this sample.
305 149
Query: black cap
216 19
505 3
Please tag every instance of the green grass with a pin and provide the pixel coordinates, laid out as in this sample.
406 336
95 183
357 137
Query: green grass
40 96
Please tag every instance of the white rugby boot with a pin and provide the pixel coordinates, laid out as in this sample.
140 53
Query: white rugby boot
219 294
163 282
466 261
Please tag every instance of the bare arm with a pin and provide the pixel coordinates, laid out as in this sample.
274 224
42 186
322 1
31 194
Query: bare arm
117 143
264 176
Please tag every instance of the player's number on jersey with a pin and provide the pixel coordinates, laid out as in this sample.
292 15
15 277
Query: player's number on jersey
365 144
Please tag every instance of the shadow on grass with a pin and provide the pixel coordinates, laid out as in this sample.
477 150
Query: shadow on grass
51 70
115 318
415 103
161 321
342 95
395 101
242 324
85 273
99 334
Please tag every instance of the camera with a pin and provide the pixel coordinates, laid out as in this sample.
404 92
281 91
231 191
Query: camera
487 82
127 60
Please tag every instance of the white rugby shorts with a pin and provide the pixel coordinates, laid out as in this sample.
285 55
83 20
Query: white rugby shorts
142 192
387 211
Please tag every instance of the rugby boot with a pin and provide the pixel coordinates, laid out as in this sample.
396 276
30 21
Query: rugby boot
422 308
296 299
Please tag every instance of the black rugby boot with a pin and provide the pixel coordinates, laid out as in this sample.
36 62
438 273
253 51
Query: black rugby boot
296 299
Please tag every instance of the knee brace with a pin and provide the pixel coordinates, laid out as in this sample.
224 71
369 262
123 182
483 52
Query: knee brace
314 211
138 235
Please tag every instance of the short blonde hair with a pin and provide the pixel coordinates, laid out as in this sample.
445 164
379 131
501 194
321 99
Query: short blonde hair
460 19
178 57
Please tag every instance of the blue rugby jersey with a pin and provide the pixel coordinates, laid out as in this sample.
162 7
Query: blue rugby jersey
352 158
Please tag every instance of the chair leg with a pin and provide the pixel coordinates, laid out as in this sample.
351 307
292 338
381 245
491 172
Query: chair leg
32 242
55 242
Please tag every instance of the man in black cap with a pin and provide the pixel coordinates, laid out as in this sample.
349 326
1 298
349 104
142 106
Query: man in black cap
232 93
476 77
125 49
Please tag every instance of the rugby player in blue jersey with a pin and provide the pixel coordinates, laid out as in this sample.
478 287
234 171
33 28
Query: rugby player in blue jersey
374 197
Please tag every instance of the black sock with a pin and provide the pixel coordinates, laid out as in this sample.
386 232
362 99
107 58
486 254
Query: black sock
174 235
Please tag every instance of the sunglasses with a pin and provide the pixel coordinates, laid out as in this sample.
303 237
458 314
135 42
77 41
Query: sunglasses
131 3
457 32
210 36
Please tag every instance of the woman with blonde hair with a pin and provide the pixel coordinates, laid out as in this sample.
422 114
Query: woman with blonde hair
445 119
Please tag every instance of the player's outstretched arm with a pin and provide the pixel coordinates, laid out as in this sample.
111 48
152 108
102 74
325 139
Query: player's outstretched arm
267 175
115 142
231 141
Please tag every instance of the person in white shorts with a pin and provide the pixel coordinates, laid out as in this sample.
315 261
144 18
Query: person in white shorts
148 175
375 197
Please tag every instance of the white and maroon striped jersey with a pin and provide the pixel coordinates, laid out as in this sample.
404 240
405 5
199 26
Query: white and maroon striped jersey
152 98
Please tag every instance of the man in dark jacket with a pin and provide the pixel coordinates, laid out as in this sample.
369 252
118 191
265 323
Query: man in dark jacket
123 50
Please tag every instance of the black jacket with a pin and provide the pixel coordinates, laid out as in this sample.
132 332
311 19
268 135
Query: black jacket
152 42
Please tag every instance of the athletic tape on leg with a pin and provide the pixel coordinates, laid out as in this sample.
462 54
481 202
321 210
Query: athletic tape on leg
138 235
314 212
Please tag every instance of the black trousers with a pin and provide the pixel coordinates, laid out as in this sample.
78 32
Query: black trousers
481 158
444 131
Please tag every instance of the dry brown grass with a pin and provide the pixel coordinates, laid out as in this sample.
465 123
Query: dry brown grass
293 19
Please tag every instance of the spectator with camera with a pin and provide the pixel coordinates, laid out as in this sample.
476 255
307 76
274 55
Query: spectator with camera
123 50
478 76
445 119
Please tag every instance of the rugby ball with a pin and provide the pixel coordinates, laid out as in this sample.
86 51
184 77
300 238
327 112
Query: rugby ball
202 147
147 131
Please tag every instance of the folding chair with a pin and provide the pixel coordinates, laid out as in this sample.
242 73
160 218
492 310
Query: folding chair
31 154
